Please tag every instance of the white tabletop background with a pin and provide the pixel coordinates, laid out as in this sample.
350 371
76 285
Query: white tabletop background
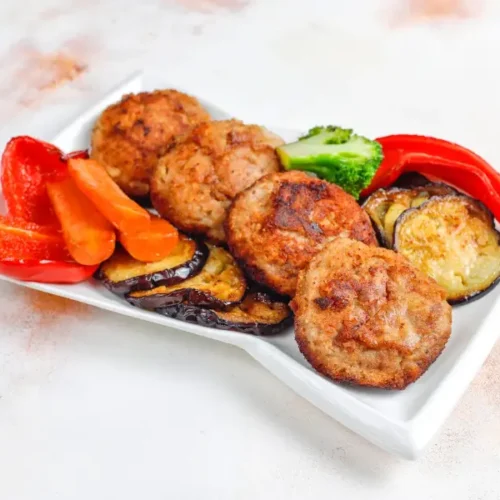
93 405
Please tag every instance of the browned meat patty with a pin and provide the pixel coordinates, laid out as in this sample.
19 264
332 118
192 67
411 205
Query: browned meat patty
196 181
365 315
130 136
276 226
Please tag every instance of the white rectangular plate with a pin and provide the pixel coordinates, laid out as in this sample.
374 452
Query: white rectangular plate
401 422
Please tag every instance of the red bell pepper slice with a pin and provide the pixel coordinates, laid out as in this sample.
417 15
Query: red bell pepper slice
435 147
27 164
26 240
30 252
46 271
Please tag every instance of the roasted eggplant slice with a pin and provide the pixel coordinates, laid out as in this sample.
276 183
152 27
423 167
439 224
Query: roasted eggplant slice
386 205
220 284
376 207
453 239
122 274
258 314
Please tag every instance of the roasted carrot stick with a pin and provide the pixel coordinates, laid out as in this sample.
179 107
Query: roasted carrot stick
153 243
93 180
90 238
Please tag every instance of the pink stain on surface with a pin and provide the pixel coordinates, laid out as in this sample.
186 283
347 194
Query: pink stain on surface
432 10
29 74
211 5
51 13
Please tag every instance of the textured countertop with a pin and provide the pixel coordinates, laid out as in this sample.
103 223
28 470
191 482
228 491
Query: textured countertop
93 405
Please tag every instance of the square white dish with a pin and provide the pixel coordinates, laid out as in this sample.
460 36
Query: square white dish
401 422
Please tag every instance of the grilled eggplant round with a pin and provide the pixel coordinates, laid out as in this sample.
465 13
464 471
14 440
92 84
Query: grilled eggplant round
258 314
386 205
122 274
219 285
452 239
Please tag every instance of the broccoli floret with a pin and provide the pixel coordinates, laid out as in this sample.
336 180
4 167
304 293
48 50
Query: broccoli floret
335 154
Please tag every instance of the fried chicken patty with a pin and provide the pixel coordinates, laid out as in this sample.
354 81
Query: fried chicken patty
277 225
195 182
130 135
365 315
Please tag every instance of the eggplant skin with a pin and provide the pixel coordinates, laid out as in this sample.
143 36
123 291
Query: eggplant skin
219 285
240 318
376 206
168 276
452 239
385 205
473 296
182 296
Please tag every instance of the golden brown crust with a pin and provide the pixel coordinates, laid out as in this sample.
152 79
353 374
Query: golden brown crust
364 315
276 226
195 182
130 135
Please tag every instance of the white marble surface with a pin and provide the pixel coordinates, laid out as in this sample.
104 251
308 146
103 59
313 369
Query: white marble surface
97 406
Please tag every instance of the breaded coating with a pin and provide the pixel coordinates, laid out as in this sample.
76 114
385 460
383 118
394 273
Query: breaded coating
275 227
365 315
130 135
195 182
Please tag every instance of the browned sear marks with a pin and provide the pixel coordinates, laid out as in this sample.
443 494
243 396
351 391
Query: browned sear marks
277 225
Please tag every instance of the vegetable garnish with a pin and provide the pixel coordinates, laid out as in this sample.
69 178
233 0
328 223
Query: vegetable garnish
89 237
453 240
27 164
46 271
30 252
152 243
439 160
122 274
26 240
94 181
336 155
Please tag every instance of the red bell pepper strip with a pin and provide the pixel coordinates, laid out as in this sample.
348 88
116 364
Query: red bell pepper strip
30 252
462 176
395 147
26 240
432 146
46 271
27 164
